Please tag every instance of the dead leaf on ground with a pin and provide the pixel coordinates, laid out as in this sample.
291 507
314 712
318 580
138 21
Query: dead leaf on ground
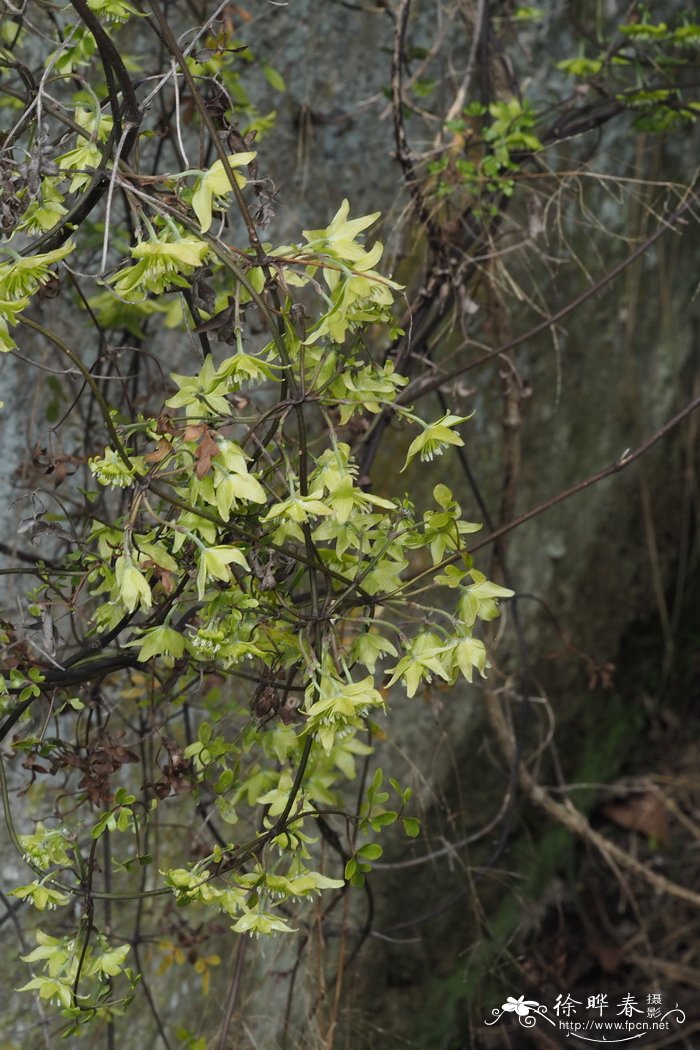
607 954
640 812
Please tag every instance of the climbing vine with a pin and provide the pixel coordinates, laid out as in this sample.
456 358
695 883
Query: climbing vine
228 560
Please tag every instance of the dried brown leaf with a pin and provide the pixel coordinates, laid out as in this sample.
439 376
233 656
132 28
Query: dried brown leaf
159 453
640 812
207 450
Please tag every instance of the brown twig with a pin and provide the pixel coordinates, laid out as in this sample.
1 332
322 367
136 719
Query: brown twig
614 468
566 814
403 150
232 992
411 394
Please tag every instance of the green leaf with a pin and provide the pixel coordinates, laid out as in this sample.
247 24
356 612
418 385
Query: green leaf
528 13
411 826
371 851
274 79
581 67
423 88
381 820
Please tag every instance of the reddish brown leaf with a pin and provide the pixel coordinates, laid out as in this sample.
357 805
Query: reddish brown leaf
50 289
72 760
607 954
165 425
641 812
162 789
159 453
121 754
167 580
207 450
30 762
193 432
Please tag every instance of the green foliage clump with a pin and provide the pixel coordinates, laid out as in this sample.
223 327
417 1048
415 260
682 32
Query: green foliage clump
229 560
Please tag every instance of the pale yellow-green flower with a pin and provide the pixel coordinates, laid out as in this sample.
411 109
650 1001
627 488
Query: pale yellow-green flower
214 184
44 211
339 238
111 469
298 508
9 309
340 707
159 641
41 897
114 10
426 655
257 922
214 563
480 599
82 160
435 439
203 394
161 264
132 585
23 276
